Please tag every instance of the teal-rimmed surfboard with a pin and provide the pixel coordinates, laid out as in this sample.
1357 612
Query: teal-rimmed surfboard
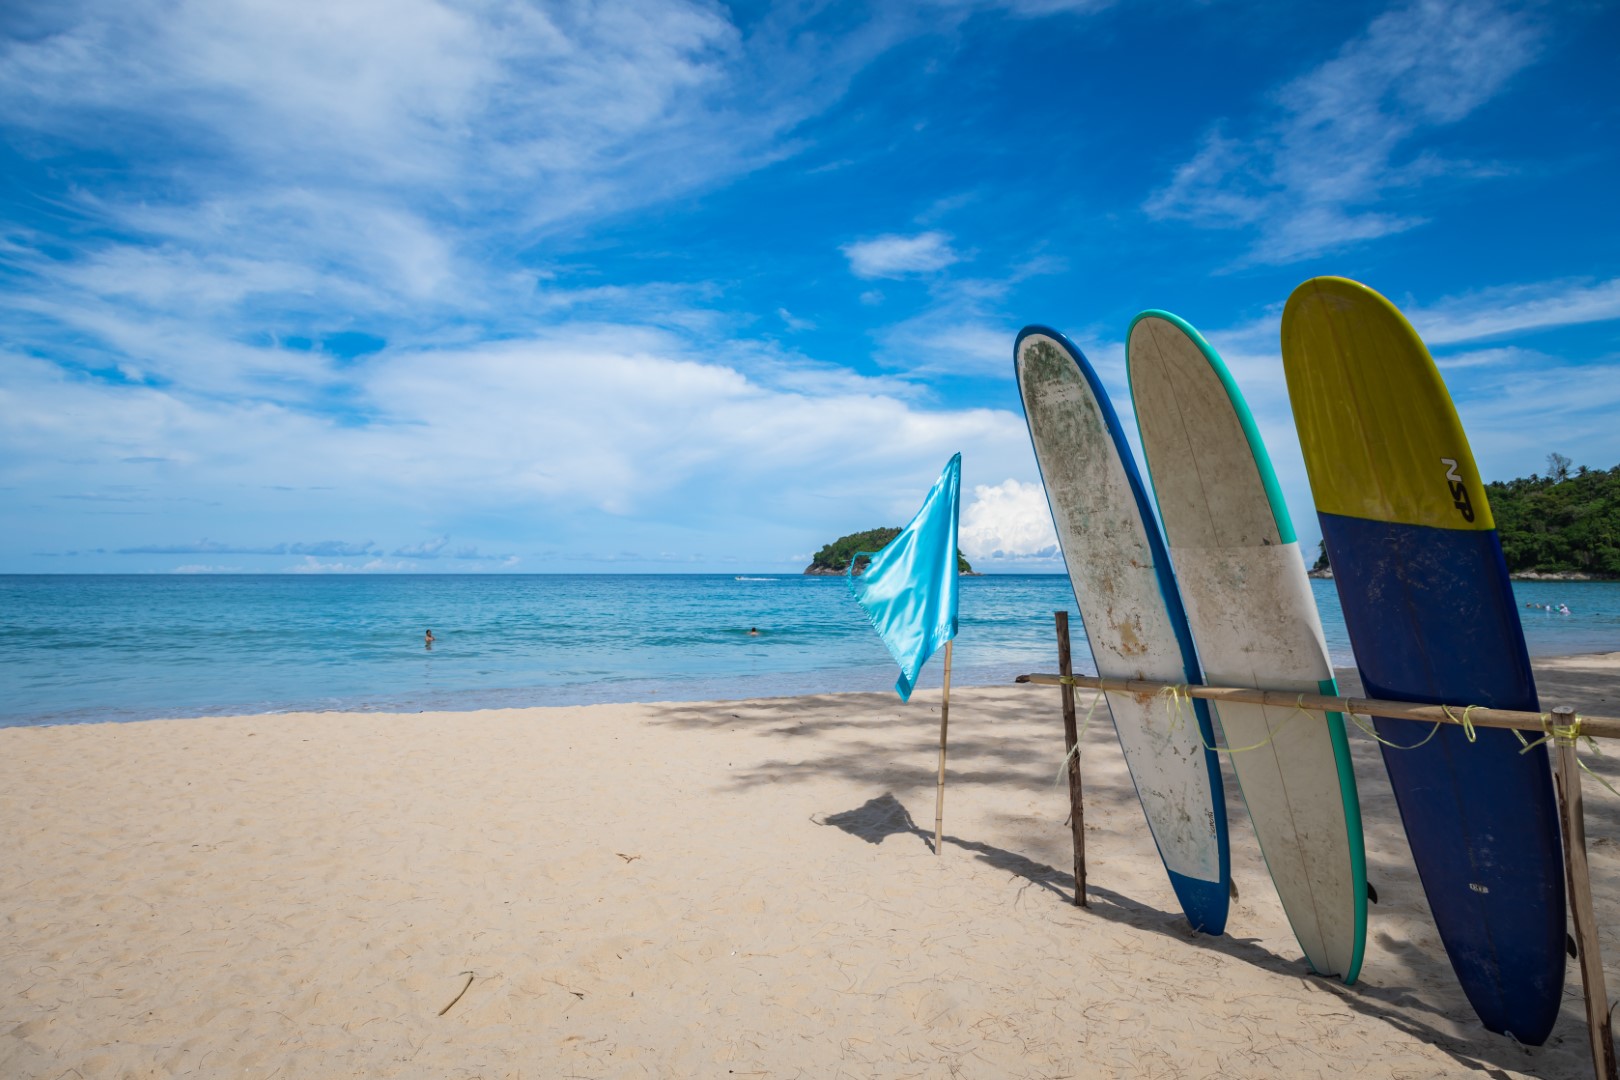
1132 613
1254 619
1431 614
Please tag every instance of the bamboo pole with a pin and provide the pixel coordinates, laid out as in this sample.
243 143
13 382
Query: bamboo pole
1071 737
944 724
1601 727
1580 897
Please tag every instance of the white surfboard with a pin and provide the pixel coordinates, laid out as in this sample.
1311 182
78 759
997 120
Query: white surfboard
1132 615
1254 620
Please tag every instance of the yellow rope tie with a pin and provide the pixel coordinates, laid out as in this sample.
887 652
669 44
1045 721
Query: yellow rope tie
1178 695
1595 776
1172 698
1548 732
1367 728
1552 732
1573 735
1080 736
1466 721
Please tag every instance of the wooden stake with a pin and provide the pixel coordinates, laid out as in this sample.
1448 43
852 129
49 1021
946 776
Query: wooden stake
1077 811
1580 898
944 723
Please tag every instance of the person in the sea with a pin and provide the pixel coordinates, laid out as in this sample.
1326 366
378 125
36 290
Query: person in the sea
1563 609
430 639
753 631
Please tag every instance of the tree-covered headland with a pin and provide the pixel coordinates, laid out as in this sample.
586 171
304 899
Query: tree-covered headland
834 558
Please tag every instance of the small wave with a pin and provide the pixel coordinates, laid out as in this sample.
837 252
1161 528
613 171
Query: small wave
754 579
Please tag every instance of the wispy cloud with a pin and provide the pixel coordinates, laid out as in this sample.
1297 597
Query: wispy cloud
966 329
1311 176
286 170
933 344
894 256
793 322
1488 358
1513 309
326 548
374 566
519 441
439 548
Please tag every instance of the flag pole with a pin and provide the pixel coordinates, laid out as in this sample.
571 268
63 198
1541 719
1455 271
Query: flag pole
944 723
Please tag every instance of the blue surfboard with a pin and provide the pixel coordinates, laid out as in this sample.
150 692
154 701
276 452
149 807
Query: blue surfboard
1432 618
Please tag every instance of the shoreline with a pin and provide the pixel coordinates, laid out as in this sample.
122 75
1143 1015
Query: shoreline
1520 575
1344 673
686 889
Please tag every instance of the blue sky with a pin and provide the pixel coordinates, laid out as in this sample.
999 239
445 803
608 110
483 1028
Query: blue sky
663 286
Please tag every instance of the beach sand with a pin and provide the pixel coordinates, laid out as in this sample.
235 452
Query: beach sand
720 889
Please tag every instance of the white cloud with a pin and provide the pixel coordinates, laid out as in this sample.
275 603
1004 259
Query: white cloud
793 322
517 446
1008 521
930 344
894 256
311 565
381 94
965 330
378 160
1029 8
1516 309
1311 177
427 549
1487 358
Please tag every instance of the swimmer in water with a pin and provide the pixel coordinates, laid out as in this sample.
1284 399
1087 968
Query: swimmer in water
430 639
753 631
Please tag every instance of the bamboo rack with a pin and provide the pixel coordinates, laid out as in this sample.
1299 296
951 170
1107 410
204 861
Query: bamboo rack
1599 727
1563 726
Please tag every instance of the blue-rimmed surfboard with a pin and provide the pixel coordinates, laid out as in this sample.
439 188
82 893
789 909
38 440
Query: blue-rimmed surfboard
1431 615
1132 613
1253 617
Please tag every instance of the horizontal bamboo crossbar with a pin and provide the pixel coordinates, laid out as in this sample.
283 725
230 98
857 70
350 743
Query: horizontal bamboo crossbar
1601 727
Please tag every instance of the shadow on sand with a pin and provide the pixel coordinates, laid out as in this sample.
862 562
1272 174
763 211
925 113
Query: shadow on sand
877 744
877 819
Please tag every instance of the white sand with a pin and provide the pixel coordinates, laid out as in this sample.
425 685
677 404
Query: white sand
722 889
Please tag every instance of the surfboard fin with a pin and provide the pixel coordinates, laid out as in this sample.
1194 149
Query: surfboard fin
1232 887
1569 947
1372 893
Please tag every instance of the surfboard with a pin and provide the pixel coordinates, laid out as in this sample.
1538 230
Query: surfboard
1254 621
1431 615
1131 612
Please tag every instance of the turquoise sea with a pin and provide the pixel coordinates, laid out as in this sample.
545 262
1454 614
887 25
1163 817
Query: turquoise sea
112 647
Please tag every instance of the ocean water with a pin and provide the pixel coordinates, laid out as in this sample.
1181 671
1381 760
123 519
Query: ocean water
114 647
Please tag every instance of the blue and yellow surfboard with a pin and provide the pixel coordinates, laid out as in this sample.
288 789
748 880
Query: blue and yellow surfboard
1431 615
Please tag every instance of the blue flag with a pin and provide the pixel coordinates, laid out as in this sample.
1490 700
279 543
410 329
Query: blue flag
909 588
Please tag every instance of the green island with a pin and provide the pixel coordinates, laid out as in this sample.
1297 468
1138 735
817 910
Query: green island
1565 525
834 558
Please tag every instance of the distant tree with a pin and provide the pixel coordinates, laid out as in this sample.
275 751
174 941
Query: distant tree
1551 525
1321 557
836 555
